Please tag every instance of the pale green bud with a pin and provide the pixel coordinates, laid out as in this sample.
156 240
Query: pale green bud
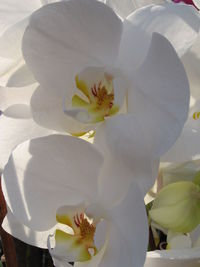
177 207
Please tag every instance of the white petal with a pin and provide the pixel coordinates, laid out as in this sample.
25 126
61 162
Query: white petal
128 238
124 139
191 61
180 256
13 132
65 37
195 236
19 77
178 241
12 226
141 3
13 71
187 147
180 24
13 11
115 179
11 41
197 3
184 171
13 96
159 96
122 8
48 111
42 175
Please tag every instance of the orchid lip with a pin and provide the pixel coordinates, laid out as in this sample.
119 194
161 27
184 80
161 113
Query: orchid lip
95 99
78 245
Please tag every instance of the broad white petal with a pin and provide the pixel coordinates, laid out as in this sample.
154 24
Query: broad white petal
181 255
13 96
122 8
141 3
12 226
159 96
48 111
42 175
11 60
18 77
63 38
13 11
115 179
131 157
13 132
11 41
180 24
191 61
187 147
176 172
128 237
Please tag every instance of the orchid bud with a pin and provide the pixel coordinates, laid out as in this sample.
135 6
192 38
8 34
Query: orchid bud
177 207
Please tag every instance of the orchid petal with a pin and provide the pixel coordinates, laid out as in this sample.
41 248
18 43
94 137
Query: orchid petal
163 115
180 24
187 146
12 226
191 61
13 132
184 171
13 71
57 47
122 8
142 3
19 77
54 179
69 247
124 137
66 214
13 11
13 96
128 236
47 110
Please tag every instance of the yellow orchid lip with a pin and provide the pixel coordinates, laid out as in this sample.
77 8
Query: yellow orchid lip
79 246
97 99
100 98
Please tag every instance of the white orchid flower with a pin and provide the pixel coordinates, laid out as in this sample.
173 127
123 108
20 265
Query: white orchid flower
85 64
51 186
14 16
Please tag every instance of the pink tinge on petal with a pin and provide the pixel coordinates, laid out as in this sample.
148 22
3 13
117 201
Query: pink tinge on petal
188 2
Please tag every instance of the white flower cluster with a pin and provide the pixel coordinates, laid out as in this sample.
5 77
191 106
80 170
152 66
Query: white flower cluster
119 73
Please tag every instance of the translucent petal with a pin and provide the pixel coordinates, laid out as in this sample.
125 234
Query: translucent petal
57 47
42 175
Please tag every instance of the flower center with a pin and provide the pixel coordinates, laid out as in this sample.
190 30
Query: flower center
77 243
102 98
87 229
96 97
